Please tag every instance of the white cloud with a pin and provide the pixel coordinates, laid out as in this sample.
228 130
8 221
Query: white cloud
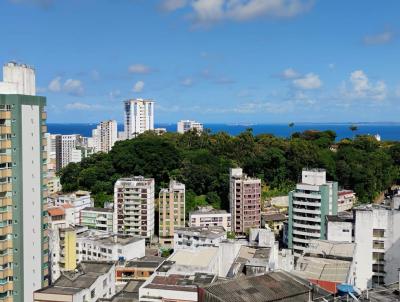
114 94
55 85
380 38
139 69
73 87
308 81
172 5
138 87
362 88
289 73
187 82
331 65
206 12
85 106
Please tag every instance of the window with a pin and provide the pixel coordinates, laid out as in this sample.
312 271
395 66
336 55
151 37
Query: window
378 244
104 282
378 233
93 293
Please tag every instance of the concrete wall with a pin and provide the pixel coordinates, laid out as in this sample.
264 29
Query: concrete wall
340 231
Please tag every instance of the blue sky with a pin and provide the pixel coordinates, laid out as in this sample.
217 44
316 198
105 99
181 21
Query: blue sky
228 61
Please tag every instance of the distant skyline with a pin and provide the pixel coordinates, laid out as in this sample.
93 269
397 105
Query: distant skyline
215 61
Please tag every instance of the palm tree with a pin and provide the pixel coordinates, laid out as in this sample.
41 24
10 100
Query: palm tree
353 129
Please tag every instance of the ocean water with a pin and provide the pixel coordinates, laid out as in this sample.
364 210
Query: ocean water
387 131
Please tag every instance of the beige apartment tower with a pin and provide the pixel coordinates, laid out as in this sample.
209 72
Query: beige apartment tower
171 211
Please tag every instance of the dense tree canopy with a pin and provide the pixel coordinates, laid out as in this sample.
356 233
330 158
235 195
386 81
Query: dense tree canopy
202 162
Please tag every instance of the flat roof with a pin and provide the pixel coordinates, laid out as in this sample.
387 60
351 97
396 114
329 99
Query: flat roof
176 282
200 257
108 238
146 261
330 249
102 210
211 232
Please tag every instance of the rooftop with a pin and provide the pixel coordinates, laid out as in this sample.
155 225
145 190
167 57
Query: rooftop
341 217
202 257
147 261
108 238
274 286
273 217
330 249
102 210
130 293
83 277
181 282
207 211
211 232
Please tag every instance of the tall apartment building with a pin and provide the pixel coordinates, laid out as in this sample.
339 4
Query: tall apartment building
245 201
377 237
98 218
187 125
309 204
171 211
134 206
105 136
139 117
65 146
23 230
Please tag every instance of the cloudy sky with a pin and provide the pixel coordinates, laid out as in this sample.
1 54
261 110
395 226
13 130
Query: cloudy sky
234 61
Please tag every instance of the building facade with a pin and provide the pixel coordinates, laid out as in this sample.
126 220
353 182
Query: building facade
207 216
346 200
101 219
139 117
171 211
377 237
105 136
134 206
244 201
65 145
187 125
24 234
309 204
195 237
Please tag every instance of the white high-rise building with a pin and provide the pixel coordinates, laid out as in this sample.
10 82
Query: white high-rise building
134 206
187 125
105 136
24 246
139 117
65 144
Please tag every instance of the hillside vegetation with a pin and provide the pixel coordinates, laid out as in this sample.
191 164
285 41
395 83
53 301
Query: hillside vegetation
202 162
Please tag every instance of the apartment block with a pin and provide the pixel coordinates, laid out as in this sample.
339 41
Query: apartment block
24 243
139 117
134 206
195 237
377 237
245 201
188 125
101 219
171 211
309 204
346 200
105 136
207 216
65 146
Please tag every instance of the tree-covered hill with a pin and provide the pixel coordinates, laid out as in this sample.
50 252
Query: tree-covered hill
202 162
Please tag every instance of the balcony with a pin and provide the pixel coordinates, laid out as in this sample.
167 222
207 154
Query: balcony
7 299
306 203
304 218
5 129
6 216
307 226
5 115
5 202
5 144
6 244
5 172
5 230
44 129
305 211
6 287
308 234
6 273
44 115
4 158
7 187
6 259
305 195
301 240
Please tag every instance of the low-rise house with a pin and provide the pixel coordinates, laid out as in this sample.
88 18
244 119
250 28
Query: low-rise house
208 216
91 281
274 220
346 200
61 216
274 286
99 219
174 287
327 264
130 293
96 245
137 269
194 237
79 200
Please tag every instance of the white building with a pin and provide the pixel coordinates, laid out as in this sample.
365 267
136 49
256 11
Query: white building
377 236
340 227
97 245
105 136
346 200
65 146
139 117
207 216
24 235
79 200
312 200
195 237
134 206
91 281
187 125
101 219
